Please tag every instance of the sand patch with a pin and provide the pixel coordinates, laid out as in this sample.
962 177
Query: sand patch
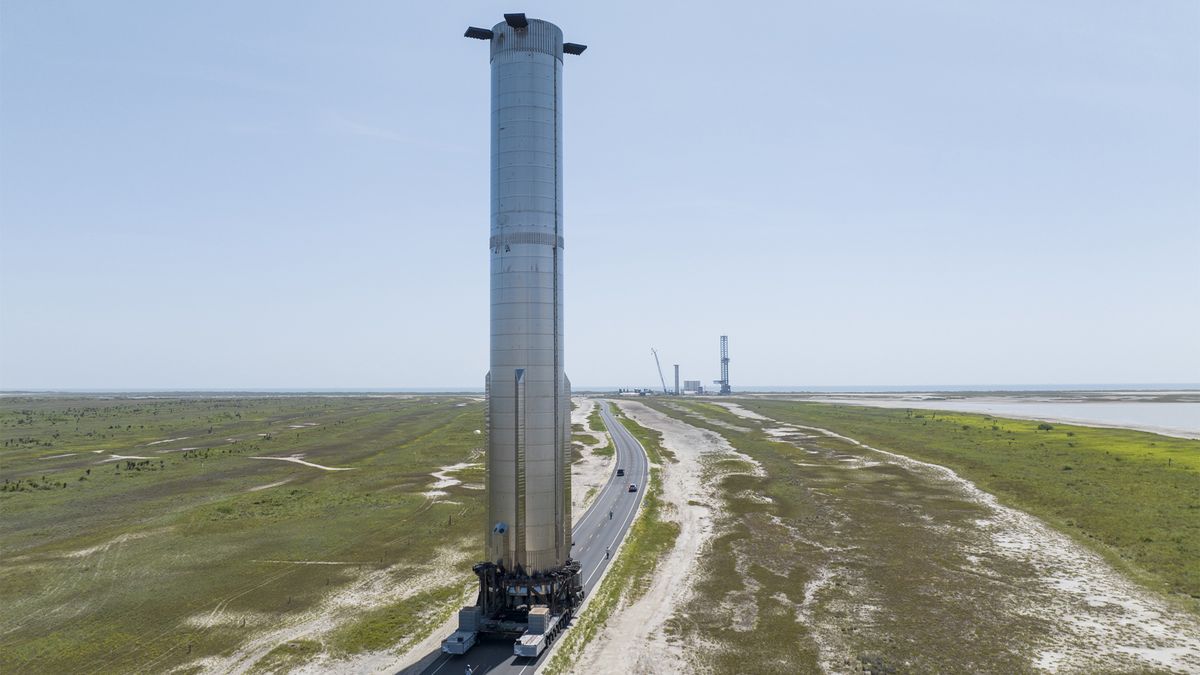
269 485
310 562
115 541
296 459
117 458
443 479
250 620
168 440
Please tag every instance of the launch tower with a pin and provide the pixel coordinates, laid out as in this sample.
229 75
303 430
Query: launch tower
724 381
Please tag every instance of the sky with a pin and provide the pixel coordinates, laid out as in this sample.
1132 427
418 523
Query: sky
295 195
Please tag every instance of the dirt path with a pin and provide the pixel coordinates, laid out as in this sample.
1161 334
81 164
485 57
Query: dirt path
1085 615
634 639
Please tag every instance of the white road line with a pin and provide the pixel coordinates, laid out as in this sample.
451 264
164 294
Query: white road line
628 517
620 533
446 660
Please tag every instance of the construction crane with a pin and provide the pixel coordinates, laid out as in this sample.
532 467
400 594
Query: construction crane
660 375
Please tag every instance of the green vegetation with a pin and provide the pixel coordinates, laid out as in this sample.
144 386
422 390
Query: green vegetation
584 439
286 657
187 546
400 624
595 422
650 538
1132 496
580 442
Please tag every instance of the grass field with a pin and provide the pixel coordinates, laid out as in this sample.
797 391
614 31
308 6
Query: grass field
1132 496
142 534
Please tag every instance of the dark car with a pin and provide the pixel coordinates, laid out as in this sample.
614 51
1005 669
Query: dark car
633 487
620 472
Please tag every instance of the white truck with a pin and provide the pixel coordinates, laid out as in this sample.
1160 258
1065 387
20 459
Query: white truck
468 628
459 642
543 627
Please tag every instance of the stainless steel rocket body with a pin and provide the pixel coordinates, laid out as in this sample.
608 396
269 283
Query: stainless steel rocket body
528 399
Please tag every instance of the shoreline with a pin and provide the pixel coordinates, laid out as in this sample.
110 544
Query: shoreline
977 408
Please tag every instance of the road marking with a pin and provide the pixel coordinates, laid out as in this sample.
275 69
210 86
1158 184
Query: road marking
620 533
623 530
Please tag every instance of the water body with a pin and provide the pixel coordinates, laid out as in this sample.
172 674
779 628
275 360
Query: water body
1171 418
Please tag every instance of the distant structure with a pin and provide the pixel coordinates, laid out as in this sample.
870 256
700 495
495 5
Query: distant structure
692 387
676 379
527 539
724 381
658 364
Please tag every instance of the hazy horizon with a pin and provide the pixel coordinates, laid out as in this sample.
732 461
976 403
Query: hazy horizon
897 389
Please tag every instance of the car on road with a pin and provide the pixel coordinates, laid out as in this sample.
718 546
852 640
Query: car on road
633 487
620 472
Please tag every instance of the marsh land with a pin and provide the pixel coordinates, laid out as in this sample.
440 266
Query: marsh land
851 538
231 534
333 533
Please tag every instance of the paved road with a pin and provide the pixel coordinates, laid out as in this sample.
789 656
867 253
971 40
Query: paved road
593 534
